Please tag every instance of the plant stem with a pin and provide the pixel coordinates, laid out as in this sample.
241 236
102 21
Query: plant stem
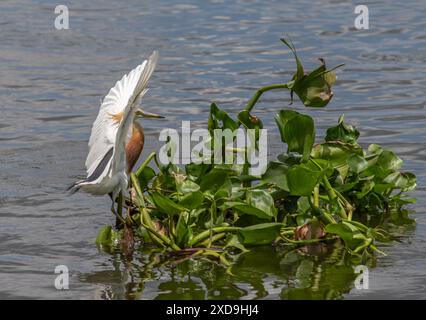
205 234
120 204
147 223
138 190
310 241
249 107
259 92
208 242
333 197
145 163
327 218
119 218
346 203
316 197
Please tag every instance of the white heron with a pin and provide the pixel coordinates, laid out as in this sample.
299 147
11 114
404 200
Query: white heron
117 139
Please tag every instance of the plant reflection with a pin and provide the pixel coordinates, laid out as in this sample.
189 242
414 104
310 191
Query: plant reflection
321 271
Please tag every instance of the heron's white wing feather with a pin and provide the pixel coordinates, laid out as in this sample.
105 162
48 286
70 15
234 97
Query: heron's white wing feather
130 109
105 128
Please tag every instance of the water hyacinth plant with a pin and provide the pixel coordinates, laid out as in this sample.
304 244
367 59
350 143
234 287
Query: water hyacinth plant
330 191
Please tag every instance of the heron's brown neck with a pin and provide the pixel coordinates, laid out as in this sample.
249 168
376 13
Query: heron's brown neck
134 146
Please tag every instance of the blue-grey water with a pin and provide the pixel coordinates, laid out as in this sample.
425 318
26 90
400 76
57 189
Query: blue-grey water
51 83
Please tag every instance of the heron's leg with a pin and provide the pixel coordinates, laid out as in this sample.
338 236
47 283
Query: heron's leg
120 204
119 221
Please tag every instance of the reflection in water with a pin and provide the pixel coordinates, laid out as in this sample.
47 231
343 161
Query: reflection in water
321 271
210 51
318 271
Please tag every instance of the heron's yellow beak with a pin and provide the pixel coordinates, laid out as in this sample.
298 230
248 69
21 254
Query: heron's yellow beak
142 114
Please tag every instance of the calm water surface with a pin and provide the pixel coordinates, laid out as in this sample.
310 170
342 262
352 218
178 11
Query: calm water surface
51 84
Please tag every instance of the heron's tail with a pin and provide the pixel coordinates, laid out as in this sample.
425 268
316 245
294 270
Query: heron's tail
75 186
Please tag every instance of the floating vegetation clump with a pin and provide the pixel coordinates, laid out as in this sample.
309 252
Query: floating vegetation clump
331 191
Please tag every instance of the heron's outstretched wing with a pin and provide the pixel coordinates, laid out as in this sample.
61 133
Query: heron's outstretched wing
114 110
130 109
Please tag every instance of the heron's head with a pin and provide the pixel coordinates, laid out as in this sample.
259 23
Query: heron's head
143 114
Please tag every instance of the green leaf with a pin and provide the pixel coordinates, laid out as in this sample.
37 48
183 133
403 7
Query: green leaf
375 149
244 208
313 89
104 236
299 72
367 186
340 229
164 181
276 173
234 242
259 203
297 130
342 132
260 234
219 119
216 179
303 205
192 200
349 233
262 200
145 176
337 154
389 160
406 181
289 159
249 121
166 205
183 230
304 177
197 171
184 185
403 199
357 163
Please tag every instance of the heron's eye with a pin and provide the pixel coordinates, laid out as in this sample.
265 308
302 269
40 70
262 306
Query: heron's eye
117 117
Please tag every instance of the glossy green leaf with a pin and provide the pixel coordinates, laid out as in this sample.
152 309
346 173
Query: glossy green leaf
216 179
244 208
367 186
145 177
297 130
357 163
337 154
350 234
405 181
303 178
389 160
192 200
235 242
183 230
184 185
314 88
258 203
276 173
219 119
262 200
166 205
249 121
260 234
104 236
342 132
